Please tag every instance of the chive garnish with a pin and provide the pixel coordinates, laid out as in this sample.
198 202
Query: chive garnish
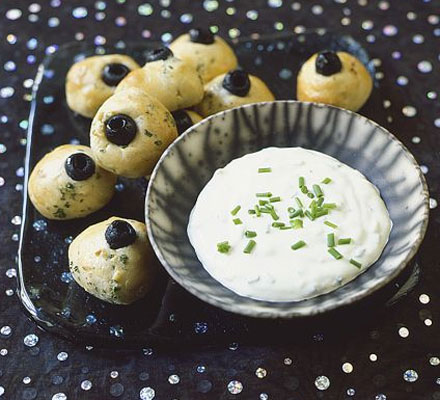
320 201
264 194
251 244
290 210
297 213
326 181
251 211
278 224
335 253
355 263
274 215
297 223
318 191
309 215
299 202
262 202
298 245
265 169
331 224
329 205
235 210
237 221
331 240
320 213
344 241
223 247
304 189
283 228
257 211
310 195
265 210
275 199
301 181
250 234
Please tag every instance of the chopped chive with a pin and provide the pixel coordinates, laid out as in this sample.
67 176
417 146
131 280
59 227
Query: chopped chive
297 223
223 247
326 181
335 253
309 215
320 201
310 195
264 194
237 221
274 215
251 244
290 210
355 263
251 211
299 202
250 234
257 211
278 224
265 210
331 224
318 191
262 202
301 181
275 199
313 206
265 169
298 245
344 241
320 213
304 189
269 206
329 205
283 228
297 213
235 210
331 240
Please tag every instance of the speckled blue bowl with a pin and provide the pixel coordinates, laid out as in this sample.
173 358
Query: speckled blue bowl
191 160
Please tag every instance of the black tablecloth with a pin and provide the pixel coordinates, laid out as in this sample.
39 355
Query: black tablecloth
395 357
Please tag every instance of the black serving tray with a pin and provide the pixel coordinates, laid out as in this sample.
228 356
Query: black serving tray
169 314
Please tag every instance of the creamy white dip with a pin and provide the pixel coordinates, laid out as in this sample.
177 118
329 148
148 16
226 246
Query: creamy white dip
272 270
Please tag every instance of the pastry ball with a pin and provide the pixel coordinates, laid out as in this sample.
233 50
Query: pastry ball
333 78
210 54
129 133
233 89
67 183
93 80
185 119
175 83
113 260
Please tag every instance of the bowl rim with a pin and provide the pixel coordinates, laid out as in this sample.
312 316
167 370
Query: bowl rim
276 313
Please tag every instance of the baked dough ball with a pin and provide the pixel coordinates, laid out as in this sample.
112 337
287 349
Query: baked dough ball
129 133
93 80
210 54
113 260
66 183
333 78
185 119
175 83
233 89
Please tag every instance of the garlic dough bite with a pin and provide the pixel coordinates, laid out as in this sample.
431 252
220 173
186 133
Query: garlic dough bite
185 119
129 133
113 260
93 80
175 83
209 53
66 183
336 78
233 89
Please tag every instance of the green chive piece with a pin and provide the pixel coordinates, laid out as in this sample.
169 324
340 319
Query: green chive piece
299 202
264 194
313 206
275 199
237 221
304 189
329 205
297 223
262 202
297 213
290 210
257 211
250 234
265 211
331 240
298 245
331 224
355 263
251 212
335 253
223 247
283 228
274 215
278 224
344 241
320 201
235 210
301 181
265 169
320 213
269 206
310 195
251 244
309 215
326 181
318 191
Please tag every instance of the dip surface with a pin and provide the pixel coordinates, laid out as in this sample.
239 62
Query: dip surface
269 183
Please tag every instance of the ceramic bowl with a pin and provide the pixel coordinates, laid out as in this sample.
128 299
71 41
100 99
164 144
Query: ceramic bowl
191 160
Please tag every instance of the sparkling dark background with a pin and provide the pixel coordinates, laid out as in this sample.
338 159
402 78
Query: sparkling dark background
396 358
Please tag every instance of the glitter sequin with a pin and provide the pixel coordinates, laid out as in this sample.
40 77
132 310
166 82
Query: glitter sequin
147 393
235 387
424 66
410 375
31 340
409 111
347 368
79 12
260 373
86 385
145 9
62 356
322 382
174 379
13 14
403 332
